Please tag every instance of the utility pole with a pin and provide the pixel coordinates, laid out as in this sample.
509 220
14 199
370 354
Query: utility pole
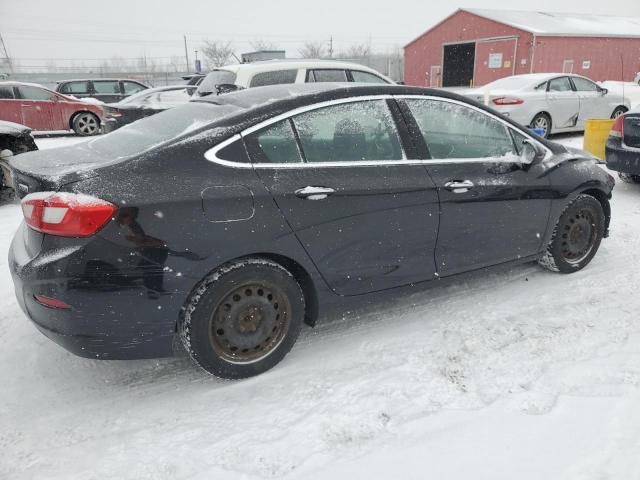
5 60
331 46
186 53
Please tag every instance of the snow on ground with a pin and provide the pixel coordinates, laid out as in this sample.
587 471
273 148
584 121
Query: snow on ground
521 374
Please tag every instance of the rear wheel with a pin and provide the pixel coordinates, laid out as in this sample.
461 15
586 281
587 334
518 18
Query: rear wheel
86 124
543 122
577 236
629 178
243 319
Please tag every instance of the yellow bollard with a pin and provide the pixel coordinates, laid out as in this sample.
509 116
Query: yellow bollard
596 133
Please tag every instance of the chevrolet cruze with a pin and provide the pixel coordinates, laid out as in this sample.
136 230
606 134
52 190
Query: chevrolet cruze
231 221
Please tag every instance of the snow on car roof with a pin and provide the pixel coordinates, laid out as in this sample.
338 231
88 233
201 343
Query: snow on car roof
566 24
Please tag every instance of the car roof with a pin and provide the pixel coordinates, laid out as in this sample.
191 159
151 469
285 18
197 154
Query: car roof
102 79
14 83
269 65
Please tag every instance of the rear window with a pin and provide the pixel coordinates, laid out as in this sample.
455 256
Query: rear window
74 87
106 87
216 77
278 77
155 130
6 92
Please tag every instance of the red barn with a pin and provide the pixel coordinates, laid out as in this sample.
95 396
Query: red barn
475 47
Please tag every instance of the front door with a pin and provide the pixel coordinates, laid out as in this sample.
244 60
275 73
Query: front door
367 217
493 209
37 108
563 103
593 103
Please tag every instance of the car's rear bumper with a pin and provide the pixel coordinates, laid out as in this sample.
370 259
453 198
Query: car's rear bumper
621 158
112 315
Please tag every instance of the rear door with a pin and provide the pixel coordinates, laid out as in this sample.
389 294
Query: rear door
129 88
563 103
10 106
366 215
37 108
593 104
493 209
107 91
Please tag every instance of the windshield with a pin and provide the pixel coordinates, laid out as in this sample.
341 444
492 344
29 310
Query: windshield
216 77
511 83
152 131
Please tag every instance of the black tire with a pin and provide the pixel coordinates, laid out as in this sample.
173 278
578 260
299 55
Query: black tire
618 111
243 318
577 236
543 121
86 124
629 178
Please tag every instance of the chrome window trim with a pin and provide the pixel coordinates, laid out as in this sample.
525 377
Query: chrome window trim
211 154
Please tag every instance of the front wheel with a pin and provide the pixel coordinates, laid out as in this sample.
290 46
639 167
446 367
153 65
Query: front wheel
86 124
243 318
577 236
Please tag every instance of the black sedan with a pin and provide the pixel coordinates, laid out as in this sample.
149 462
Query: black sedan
144 104
14 139
232 220
623 147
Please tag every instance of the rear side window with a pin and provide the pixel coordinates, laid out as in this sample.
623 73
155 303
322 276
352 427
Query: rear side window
352 132
106 87
74 87
451 130
366 77
132 87
327 75
6 92
34 93
274 144
274 78
561 84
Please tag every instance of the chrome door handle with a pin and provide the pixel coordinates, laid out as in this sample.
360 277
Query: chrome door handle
314 193
459 186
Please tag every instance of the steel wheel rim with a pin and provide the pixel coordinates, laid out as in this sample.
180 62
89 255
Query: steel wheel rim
578 236
250 323
87 124
541 123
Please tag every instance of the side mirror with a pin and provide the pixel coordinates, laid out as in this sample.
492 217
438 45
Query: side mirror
226 88
55 98
603 91
530 152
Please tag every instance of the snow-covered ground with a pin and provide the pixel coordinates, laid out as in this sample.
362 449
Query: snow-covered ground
521 375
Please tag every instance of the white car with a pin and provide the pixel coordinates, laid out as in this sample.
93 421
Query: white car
274 72
551 102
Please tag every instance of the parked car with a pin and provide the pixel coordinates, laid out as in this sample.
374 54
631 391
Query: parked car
623 147
14 139
552 102
235 219
42 109
106 90
277 72
144 104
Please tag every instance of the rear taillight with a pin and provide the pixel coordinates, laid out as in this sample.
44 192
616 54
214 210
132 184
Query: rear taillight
617 130
507 101
66 214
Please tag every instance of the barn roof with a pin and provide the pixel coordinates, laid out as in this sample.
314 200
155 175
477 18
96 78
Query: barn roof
563 24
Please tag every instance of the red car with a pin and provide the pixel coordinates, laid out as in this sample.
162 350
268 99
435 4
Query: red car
42 109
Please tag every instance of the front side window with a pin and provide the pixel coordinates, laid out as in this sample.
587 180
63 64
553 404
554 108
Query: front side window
451 130
132 87
74 88
561 84
327 75
353 132
584 85
6 92
274 144
34 93
106 87
366 77
278 77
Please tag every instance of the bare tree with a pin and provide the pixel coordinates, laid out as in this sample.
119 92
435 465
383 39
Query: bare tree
217 52
262 44
312 50
357 51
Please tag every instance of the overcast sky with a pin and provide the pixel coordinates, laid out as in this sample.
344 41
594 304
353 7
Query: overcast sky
36 30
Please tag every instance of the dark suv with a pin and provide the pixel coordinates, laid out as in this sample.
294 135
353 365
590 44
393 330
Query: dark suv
106 90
